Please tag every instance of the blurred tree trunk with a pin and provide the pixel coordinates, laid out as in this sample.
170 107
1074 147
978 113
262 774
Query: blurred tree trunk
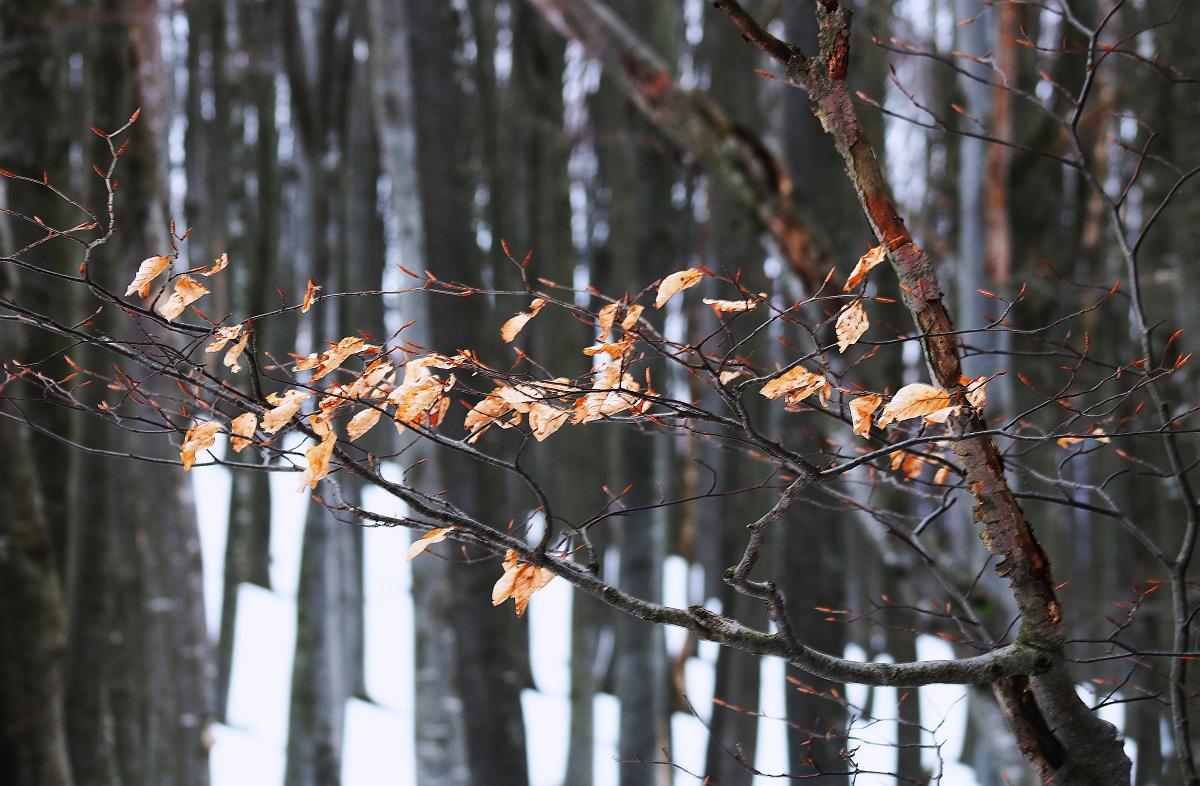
642 241
139 684
440 737
318 48
33 138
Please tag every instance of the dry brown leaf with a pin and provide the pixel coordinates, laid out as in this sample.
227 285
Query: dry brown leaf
914 401
221 263
632 315
420 400
235 352
606 317
798 383
243 427
427 540
941 475
942 414
861 410
147 272
336 356
285 409
322 422
490 411
513 326
977 393
310 295
187 290
865 263
199 437
222 337
723 307
362 422
676 282
851 324
728 376
519 582
605 400
545 419
318 460
617 349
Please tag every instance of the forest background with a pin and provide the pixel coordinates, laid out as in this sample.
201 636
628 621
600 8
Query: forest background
346 142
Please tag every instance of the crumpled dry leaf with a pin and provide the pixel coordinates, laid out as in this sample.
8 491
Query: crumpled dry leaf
420 400
851 324
199 437
147 272
676 282
632 315
618 349
728 376
222 337
605 400
490 411
723 307
285 409
941 475
861 410
513 326
221 263
544 419
235 352
334 358
606 317
243 427
977 392
943 414
431 537
187 290
311 290
798 383
914 401
865 263
362 422
318 461
519 582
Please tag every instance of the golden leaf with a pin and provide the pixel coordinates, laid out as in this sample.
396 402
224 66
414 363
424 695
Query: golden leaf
519 582
285 409
187 290
723 307
865 263
221 263
861 410
318 460
798 383
676 282
147 272
310 295
431 537
604 400
235 352
545 419
199 437
322 422
914 401
489 411
223 336
362 422
243 427
606 317
851 324
941 475
513 326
